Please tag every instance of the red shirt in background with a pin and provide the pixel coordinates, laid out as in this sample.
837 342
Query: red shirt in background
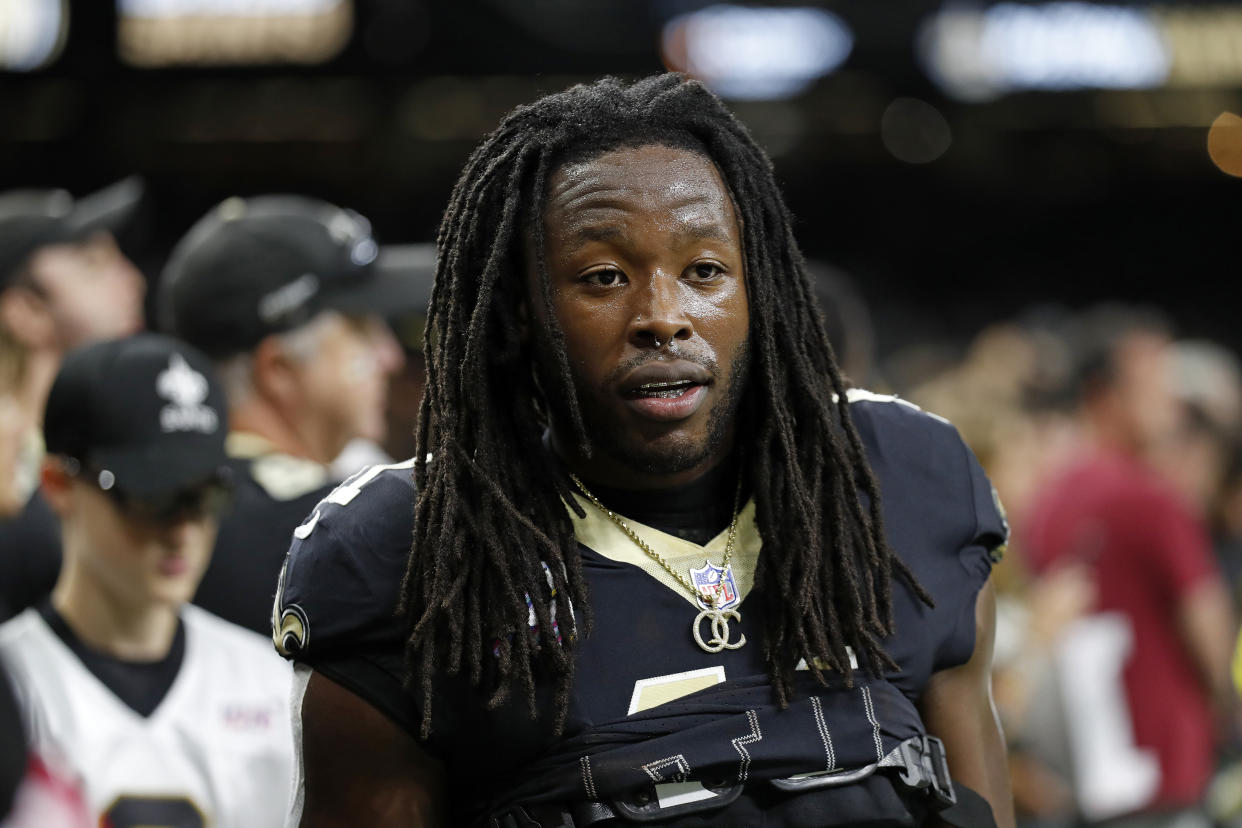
1149 553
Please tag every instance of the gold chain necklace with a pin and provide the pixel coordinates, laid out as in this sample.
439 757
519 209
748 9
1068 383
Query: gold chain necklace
709 596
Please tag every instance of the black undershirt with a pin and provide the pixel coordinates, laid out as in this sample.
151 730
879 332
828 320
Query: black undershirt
142 685
696 511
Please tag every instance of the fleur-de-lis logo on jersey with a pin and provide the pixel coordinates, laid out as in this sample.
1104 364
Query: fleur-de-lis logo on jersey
185 389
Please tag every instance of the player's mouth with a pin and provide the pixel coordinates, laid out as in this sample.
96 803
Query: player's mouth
174 565
665 391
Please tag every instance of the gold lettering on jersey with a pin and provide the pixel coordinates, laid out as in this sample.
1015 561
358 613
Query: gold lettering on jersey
720 630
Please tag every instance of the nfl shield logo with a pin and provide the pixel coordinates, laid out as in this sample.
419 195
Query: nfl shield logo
718 581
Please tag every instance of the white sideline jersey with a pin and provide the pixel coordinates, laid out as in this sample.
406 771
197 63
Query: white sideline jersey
216 753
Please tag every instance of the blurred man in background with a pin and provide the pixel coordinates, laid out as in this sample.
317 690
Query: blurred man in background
288 296
63 283
168 715
1207 384
1144 675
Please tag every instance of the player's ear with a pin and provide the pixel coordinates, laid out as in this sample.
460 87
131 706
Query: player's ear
27 317
274 372
56 483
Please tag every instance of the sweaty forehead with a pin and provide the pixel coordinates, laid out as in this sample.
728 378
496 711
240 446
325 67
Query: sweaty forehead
653 177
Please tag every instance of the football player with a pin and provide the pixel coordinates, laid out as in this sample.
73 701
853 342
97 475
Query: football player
666 567
170 716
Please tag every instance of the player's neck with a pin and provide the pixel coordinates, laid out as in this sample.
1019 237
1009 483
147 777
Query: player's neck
40 370
616 474
258 417
1113 435
714 487
111 625
696 511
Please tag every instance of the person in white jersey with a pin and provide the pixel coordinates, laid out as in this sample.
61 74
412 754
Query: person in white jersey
171 716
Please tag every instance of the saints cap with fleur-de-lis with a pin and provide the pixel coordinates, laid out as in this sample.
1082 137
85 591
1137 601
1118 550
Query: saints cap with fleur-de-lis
146 409
262 265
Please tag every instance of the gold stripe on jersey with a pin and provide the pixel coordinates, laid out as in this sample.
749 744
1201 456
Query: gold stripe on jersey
658 690
605 537
282 476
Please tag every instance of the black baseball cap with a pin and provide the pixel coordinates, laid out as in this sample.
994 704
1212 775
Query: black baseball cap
146 409
30 219
257 266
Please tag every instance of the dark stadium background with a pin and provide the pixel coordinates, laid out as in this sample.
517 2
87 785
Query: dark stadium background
1042 196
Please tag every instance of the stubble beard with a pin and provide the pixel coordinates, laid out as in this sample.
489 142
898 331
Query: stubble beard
610 435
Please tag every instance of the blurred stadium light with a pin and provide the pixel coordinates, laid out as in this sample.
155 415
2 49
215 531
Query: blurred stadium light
752 53
1205 42
1224 142
32 33
152 33
978 54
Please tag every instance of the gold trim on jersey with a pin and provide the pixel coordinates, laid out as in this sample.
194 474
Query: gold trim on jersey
282 476
605 537
657 690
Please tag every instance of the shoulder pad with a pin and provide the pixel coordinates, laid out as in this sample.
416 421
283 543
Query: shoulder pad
909 446
898 430
941 517
862 395
341 580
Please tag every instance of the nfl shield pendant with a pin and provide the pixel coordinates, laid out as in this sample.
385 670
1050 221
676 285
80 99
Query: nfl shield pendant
715 586
717 594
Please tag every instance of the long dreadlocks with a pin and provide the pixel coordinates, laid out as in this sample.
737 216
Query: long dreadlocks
493 540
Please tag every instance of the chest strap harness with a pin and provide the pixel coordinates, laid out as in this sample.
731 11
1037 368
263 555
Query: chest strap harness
919 761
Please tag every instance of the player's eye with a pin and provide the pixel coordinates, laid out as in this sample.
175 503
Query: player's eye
705 271
606 277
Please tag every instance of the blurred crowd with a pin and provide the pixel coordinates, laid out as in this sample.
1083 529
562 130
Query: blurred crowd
1113 444
1114 447
139 472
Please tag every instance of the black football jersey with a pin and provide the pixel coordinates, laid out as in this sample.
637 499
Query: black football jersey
29 556
272 493
649 704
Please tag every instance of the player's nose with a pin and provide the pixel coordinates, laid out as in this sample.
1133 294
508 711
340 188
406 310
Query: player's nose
658 314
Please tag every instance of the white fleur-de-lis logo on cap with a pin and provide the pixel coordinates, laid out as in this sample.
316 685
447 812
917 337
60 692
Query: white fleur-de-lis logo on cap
181 384
185 389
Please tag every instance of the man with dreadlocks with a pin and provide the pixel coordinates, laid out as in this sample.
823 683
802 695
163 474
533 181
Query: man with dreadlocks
666 567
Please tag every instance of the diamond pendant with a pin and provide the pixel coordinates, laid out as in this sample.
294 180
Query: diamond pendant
717 595
720 630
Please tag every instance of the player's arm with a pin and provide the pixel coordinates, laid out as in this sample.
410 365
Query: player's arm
361 768
1205 620
957 706
1181 555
